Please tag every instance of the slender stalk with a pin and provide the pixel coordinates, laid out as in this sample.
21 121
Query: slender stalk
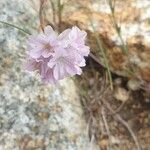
93 57
14 26
53 11
117 28
42 2
59 15
103 54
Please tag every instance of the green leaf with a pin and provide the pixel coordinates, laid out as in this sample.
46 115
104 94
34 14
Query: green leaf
14 26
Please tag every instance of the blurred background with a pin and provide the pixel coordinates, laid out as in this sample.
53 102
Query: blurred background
107 107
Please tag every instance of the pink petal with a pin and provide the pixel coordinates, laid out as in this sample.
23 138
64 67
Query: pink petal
56 72
63 72
73 33
85 50
46 53
35 53
82 63
50 77
30 66
79 70
71 70
51 63
48 30
64 34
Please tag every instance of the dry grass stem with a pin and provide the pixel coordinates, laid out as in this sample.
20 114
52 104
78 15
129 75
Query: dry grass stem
106 126
111 4
124 123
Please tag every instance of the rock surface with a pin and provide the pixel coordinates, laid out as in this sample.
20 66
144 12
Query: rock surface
32 115
133 19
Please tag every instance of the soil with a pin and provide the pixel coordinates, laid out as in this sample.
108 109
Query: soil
101 107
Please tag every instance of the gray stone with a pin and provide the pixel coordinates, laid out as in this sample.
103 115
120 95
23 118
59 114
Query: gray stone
33 115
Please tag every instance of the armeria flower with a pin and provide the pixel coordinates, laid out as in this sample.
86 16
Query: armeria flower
42 44
56 57
40 65
63 64
77 36
73 40
77 40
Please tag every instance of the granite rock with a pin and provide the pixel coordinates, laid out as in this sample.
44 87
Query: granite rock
33 115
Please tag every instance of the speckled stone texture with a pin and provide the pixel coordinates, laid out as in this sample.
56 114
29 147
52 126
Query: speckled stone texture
33 116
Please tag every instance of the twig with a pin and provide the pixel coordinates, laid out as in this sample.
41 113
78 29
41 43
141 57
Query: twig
96 60
93 145
54 11
106 126
119 108
41 14
122 121
101 124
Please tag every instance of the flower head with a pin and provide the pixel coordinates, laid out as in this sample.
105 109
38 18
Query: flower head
40 65
64 64
42 44
56 57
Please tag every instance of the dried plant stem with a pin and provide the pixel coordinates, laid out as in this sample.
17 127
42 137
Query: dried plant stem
59 15
121 120
54 11
106 126
103 54
117 28
41 14
119 108
96 60
14 26
125 124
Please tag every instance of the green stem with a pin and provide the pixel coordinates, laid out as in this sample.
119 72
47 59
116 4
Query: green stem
8 24
103 54
117 28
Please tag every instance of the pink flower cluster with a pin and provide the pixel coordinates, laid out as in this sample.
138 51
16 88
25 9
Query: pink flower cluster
57 56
